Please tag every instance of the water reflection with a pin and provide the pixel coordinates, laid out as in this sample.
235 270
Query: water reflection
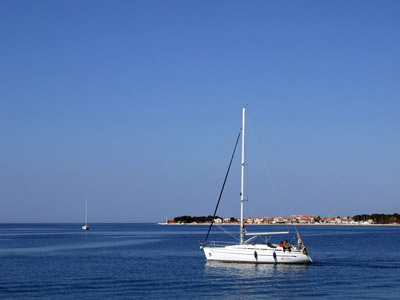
252 281
253 270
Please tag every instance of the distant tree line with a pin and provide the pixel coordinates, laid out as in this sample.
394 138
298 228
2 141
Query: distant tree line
378 218
190 219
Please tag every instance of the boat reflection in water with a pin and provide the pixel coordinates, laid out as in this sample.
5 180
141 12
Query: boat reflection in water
252 270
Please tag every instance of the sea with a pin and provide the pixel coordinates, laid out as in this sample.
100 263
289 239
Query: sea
150 261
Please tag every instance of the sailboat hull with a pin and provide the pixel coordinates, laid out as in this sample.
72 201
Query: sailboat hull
255 254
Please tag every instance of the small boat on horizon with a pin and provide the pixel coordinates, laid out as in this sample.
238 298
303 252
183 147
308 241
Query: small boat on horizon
86 226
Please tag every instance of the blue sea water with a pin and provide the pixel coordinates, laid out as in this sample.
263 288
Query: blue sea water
148 261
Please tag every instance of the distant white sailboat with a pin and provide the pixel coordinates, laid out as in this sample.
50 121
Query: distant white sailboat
246 252
86 226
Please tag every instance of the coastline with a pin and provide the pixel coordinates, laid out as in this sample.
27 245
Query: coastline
290 224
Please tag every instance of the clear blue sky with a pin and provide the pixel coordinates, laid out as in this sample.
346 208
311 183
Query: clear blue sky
135 106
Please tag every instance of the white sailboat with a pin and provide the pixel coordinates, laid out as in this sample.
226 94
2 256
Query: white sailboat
86 226
247 252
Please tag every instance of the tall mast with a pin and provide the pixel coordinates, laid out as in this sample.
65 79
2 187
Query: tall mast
242 181
86 213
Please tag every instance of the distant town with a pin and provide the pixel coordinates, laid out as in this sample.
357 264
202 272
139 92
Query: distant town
294 219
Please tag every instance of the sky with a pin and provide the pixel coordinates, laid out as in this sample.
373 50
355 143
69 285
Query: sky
135 106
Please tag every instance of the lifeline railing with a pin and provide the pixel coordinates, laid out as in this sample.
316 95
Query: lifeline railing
214 244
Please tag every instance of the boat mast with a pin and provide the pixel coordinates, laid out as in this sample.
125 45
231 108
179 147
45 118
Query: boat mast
86 214
242 181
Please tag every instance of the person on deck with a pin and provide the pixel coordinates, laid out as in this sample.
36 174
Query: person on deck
281 244
299 242
286 246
